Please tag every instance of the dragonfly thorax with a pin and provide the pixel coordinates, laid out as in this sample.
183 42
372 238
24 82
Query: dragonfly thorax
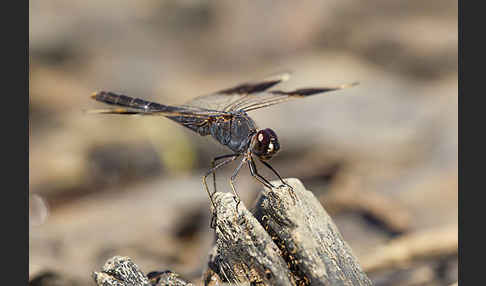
235 133
264 144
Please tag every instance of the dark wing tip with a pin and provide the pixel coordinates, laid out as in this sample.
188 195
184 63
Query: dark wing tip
312 91
257 86
303 91
249 88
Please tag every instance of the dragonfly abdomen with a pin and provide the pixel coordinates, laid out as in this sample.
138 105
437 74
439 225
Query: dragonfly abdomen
127 101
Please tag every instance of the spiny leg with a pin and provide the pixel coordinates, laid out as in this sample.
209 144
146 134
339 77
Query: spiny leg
273 170
284 183
213 162
232 183
207 189
254 173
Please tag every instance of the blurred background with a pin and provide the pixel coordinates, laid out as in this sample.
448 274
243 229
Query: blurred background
382 156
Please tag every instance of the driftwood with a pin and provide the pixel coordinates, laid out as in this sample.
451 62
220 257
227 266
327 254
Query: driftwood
288 239
121 271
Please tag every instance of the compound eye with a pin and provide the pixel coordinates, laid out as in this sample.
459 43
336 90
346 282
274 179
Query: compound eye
263 137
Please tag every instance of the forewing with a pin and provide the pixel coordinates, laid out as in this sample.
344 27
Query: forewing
273 97
226 99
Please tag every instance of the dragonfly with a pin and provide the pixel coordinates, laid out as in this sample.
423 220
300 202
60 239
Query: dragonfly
223 115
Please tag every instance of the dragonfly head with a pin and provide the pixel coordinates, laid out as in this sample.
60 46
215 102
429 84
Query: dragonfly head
264 144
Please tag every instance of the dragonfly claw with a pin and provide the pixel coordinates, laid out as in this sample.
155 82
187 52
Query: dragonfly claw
238 201
212 224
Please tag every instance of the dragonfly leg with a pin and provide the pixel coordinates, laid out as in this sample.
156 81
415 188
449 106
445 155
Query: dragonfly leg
212 170
232 183
258 177
213 164
275 172
283 182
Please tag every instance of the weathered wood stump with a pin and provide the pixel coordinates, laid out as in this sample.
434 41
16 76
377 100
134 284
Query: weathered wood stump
121 271
287 239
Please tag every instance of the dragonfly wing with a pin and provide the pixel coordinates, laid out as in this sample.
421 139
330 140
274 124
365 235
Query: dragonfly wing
273 97
227 99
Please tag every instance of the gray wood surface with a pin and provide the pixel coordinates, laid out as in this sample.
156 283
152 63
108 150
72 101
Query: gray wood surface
121 271
288 239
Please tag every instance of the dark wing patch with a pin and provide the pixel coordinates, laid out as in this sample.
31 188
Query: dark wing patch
304 91
226 99
249 88
277 96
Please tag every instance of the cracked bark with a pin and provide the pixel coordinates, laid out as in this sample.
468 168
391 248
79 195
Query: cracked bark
121 271
287 239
